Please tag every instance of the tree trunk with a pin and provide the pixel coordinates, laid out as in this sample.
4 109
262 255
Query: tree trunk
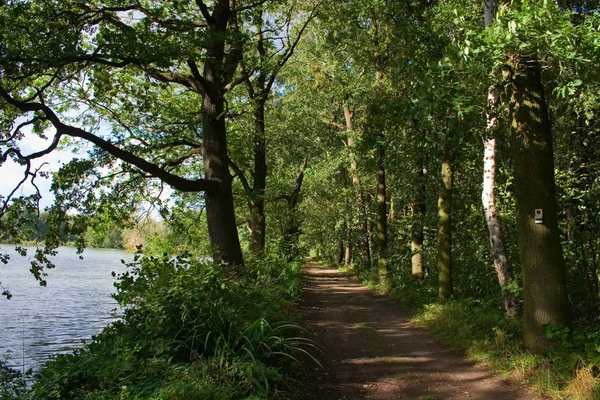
418 212
361 206
348 249
544 282
257 209
382 236
488 198
368 200
488 195
292 229
220 212
444 249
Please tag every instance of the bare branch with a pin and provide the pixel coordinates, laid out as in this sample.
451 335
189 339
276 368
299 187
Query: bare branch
18 129
37 189
47 150
241 79
7 200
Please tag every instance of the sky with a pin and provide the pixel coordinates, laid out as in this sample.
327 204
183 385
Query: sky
11 173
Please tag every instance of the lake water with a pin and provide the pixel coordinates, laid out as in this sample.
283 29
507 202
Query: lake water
76 304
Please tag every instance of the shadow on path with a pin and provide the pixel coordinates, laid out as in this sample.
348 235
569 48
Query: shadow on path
372 351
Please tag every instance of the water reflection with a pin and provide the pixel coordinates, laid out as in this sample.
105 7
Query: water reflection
76 304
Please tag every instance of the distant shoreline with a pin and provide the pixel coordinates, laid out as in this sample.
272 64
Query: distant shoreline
66 244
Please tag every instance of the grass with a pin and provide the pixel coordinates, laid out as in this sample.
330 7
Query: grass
488 337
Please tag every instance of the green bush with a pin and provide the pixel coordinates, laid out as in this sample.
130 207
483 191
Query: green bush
189 331
12 382
573 346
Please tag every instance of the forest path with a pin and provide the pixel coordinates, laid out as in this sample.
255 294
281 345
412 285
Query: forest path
371 350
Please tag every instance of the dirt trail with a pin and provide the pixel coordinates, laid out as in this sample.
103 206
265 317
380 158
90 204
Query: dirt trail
372 351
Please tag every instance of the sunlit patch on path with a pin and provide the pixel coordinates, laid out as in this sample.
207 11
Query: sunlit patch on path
372 351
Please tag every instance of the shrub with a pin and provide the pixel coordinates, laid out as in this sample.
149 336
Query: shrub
188 331
12 382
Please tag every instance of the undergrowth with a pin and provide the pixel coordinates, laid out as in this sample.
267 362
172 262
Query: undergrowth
189 331
570 371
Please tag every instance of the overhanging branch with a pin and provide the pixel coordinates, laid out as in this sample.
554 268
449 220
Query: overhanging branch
175 181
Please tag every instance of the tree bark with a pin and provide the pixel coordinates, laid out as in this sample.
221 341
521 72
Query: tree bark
488 198
259 90
220 212
361 206
418 212
382 236
348 249
257 209
292 230
444 249
544 282
488 195
340 259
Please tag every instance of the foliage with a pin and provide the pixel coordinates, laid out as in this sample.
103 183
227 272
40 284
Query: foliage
12 382
188 331
573 346
409 74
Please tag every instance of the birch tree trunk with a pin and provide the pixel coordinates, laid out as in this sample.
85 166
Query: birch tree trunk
488 195
488 199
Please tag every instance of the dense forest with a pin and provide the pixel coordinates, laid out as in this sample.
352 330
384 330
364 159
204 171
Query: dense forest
443 151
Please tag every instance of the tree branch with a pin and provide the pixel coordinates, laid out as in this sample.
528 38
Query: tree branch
241 79
188 81
240 174
204 84
175 181
290 51
178 161
18 129
6 201
205 12
293 197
